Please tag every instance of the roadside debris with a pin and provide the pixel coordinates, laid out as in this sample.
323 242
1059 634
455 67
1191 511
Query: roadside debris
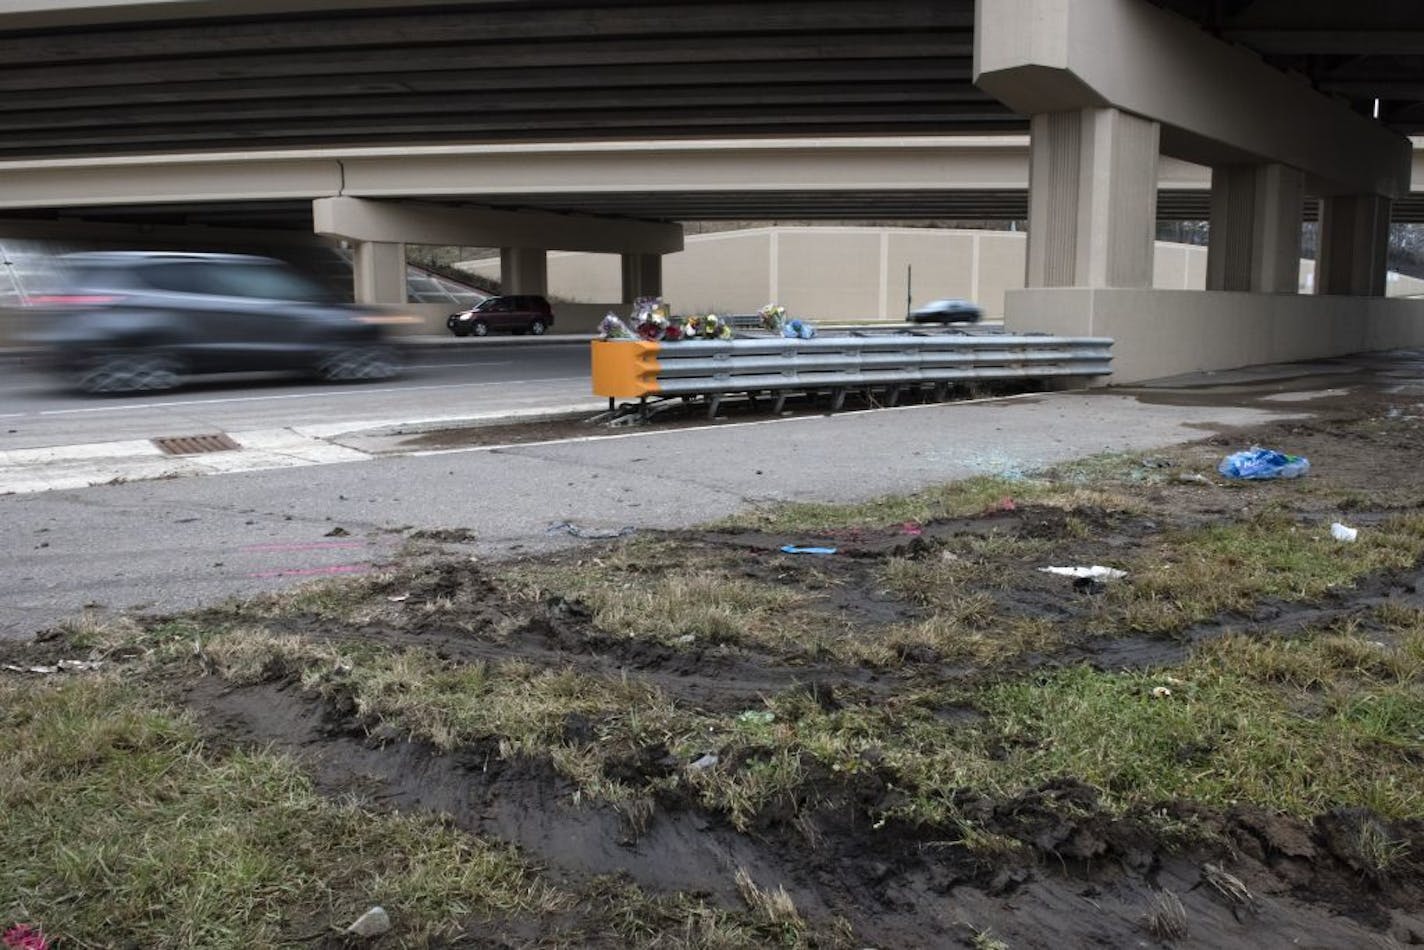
757 717
63 666
1195 478
1161 692
24 937
913 528
1003 504
1258 464
706 762
1229 886
373 923
798 330
1095 572
590 534
1344 533
818 552
338 532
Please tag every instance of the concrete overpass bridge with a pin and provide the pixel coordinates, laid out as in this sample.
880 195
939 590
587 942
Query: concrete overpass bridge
556 124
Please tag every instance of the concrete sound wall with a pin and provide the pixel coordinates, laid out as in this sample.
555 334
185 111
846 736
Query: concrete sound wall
850 273
1160 333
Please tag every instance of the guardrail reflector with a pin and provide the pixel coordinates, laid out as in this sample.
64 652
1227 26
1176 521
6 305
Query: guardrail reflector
625 369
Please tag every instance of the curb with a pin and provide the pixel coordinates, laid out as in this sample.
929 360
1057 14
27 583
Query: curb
433 341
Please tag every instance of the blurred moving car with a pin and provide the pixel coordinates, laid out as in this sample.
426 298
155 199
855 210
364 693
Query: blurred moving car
947 311
141 320
516 313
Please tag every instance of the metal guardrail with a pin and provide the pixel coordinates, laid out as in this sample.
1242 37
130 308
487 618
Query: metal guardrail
715 368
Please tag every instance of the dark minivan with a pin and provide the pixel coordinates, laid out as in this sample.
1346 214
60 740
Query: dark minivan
516 313
129 321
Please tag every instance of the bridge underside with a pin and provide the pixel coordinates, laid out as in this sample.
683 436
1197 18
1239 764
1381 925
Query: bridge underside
1289 110
877 206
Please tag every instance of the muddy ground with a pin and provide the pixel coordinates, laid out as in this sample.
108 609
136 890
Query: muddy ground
1080 873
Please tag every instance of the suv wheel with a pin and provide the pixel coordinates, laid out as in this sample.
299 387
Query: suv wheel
480 328
358 363
129 373
537 328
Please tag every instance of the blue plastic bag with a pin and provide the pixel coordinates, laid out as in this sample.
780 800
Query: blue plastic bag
798 330
1258 463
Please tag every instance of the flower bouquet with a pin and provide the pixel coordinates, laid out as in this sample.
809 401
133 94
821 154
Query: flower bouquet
613 328
773 317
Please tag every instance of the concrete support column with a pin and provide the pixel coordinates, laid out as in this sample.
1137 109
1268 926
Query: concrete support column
1354 239
1092 207
380 273
642 276
524 270
1255 229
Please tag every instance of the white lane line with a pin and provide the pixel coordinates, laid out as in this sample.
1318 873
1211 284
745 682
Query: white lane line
444 365
317 395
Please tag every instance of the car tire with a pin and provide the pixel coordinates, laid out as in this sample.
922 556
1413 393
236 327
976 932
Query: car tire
358 363
130 373
479 328
537 328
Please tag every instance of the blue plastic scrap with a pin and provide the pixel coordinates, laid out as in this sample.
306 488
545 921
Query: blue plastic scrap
819 552
1259 463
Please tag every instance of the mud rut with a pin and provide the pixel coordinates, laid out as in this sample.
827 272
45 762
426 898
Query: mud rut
1089 877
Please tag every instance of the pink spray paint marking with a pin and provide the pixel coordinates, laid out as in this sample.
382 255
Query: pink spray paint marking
315 571
303 546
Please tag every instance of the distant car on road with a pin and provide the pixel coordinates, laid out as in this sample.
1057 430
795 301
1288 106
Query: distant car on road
128 321
947 311
515 313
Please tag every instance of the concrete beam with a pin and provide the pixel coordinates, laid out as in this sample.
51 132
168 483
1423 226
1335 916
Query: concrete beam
412 222
484 173
1354 238
1218 104
379 273
1255 229
1092 200
642 276
523 270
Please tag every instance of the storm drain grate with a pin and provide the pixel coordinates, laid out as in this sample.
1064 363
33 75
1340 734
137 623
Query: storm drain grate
196 444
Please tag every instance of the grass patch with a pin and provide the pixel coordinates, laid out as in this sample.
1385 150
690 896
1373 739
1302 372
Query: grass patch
1239 725
1300 725
960 499
666 592
1195 575
134 833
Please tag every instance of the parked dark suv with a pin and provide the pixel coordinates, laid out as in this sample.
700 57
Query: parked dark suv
141 320
517 313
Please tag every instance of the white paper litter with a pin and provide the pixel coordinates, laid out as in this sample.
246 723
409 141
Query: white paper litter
1097 571
1344 533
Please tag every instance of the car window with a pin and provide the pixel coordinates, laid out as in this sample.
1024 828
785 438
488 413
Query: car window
184 277
266 282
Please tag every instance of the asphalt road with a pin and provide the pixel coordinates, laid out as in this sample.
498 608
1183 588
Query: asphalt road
440 382
168 544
